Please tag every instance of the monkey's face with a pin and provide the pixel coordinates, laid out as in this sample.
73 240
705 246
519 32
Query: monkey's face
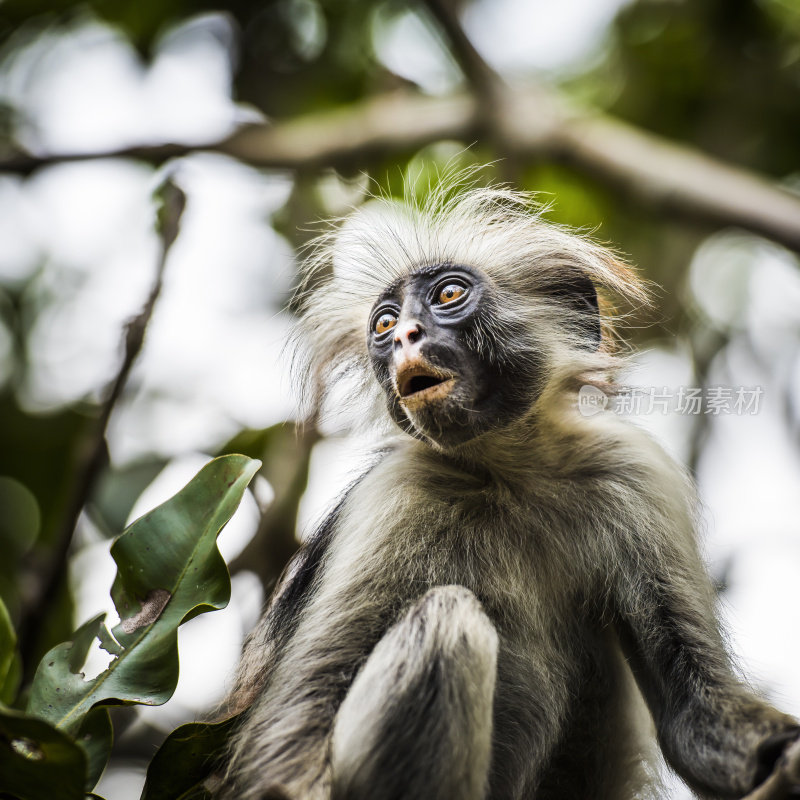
436 352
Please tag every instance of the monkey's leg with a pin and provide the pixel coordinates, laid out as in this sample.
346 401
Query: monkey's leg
417 721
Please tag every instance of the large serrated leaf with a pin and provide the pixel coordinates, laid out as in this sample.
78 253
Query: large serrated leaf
168 570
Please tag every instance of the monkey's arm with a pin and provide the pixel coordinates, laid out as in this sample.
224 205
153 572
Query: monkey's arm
713 731
280 618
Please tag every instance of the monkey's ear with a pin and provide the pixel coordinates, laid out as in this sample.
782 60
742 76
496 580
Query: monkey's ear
577 292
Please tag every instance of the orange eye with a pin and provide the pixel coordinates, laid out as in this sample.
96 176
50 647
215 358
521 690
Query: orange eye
451 292
385 322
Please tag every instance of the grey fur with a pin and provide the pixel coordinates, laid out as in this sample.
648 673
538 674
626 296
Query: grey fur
576 535
433 676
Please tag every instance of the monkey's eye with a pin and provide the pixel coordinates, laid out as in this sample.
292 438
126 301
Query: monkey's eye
450 293
385 322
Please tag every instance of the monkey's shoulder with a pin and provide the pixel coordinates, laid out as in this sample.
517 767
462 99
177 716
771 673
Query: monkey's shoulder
618 460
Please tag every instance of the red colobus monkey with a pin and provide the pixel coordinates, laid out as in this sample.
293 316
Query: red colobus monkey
482 612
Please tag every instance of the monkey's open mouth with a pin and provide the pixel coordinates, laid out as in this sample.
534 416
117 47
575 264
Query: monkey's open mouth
421 383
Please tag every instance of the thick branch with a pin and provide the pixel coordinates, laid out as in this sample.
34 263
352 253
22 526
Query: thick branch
47 576
637 163
650 171
489 89
681 181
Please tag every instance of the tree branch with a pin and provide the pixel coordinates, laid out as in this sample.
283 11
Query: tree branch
483 78
46 577
24 163
640 165
491 92
650 171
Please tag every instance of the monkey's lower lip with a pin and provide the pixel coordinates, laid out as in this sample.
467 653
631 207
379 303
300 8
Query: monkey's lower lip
423 389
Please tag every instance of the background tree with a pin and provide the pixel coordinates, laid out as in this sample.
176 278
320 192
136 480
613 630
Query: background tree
669 127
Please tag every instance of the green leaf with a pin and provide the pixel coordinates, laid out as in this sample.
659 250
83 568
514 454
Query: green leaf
197 747
10 667
95 737
38 762
77 648
255 442
168 570
108 642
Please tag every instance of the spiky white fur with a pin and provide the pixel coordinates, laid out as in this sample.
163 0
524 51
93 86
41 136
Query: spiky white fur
499 230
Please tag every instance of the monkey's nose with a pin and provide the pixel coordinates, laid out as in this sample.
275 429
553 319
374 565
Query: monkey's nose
408 333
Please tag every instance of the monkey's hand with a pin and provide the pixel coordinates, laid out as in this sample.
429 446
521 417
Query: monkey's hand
779 768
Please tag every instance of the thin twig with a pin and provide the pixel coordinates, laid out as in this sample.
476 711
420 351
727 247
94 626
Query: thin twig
483 78
23 163
707 343
47 576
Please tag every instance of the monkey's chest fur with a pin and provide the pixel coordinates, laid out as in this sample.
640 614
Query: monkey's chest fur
558 677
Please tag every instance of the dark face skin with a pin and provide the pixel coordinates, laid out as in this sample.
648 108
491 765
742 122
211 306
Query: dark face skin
423 345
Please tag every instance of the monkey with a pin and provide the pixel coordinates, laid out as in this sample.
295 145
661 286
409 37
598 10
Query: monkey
512 594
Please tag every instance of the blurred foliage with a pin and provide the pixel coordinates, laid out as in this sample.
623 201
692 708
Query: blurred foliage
294 55
9 658
36 459
721 75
